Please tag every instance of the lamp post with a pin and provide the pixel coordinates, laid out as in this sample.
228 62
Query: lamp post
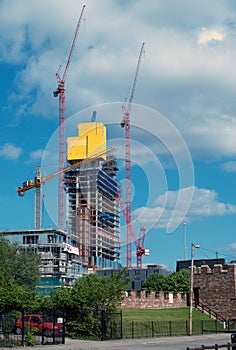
191 289
185 245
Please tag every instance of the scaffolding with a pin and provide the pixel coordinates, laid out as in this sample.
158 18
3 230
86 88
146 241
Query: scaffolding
93 212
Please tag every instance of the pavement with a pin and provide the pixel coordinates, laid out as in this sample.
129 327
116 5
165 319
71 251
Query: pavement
160 343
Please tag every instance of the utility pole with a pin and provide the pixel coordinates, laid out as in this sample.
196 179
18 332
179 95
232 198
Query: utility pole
185 244
191 289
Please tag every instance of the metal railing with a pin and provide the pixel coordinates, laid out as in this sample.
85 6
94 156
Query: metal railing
216 346
209 312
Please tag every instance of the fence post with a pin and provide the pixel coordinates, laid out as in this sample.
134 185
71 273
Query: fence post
152 329
103 325
132 329
170 331
63 327
53 331
121 324
23 328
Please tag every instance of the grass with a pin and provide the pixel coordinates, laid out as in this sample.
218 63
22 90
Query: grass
141 323
172 314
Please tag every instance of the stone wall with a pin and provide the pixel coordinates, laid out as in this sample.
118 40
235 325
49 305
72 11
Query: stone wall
154 300
216 288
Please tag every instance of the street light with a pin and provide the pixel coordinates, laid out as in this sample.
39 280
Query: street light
185 245
191 289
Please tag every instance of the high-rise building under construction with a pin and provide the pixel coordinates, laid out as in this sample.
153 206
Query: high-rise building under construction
91 238
92 210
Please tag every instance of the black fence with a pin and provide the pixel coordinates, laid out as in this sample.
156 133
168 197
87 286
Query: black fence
19 327
150 329
112 325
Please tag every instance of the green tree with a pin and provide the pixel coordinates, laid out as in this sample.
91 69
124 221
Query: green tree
86 299
156 282
18 297
182 281
19 274
174 282
18 267
26 269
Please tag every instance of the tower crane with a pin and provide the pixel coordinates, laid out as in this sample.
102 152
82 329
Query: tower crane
39 181
62 116
139 242
127 210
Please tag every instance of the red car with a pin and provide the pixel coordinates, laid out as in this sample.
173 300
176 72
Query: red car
43 323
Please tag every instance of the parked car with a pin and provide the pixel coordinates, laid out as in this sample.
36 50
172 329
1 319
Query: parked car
43 324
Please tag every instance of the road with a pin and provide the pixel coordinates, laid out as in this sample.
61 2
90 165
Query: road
162 343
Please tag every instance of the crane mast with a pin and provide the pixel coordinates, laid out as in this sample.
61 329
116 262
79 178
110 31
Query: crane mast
62 117
126 124
38 201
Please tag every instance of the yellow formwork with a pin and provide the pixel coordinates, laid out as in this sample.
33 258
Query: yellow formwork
90 141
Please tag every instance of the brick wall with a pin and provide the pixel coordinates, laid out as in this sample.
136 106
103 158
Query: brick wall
216 288
154 300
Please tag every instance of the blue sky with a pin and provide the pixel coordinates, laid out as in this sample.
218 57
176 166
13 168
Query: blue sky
183 144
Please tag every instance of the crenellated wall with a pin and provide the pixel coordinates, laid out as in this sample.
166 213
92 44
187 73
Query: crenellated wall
216 288
153 300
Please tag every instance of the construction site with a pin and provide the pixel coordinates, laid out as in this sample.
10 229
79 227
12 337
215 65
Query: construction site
87 238
92 213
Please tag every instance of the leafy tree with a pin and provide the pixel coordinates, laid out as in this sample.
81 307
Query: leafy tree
156 282
182 281
86 299
174 282
19 274
18 297
26 269
18 267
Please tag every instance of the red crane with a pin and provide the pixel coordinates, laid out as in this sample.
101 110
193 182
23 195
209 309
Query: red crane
126 124
140 251
62 116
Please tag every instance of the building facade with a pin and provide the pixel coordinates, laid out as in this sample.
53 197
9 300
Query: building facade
136 276
91 239
93 214
215 289
60 261
92 192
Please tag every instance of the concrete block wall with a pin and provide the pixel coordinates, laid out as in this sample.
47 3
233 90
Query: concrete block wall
153 300
217 288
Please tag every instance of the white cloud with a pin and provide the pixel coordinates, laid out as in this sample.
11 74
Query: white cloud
191 85
204 204
208 35
231 246
37 154
229 167
10 151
